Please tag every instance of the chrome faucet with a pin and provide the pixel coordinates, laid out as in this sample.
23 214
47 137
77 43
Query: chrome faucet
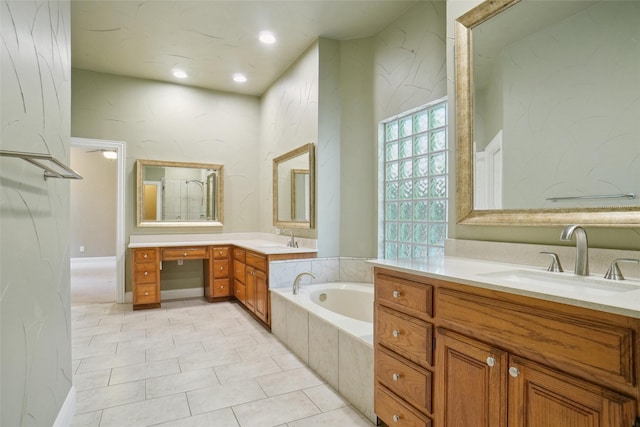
292 241
296 283
582 248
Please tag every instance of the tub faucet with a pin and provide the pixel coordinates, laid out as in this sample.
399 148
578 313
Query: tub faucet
292 241
296 283
582 248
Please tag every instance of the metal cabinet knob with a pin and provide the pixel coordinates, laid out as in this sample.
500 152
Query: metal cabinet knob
185 254
146 293
395 376
491 361
514 372
396 418
221 268
396 294
146 256
396 333
146 273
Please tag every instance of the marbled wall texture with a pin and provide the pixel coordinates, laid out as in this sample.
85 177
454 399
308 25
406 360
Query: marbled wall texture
34 295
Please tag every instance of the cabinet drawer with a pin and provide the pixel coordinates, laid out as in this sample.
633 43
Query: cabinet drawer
146 294
256 261
410 337
220 252
145 273
239 254
221 288
169 254
395 412
144 255
239 271
221 268
569 342
239 291
404 295
414 385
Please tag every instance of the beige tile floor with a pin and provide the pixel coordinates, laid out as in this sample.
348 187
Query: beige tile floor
191 363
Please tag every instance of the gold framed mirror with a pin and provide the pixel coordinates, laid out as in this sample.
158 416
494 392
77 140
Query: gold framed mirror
294 188
592 198
179 194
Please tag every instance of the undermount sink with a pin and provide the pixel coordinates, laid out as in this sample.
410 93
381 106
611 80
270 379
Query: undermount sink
589 285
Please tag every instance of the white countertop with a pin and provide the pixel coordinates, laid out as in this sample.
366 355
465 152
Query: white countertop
594 292
257 242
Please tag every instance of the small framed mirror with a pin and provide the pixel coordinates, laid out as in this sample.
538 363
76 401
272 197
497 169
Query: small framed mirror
294 188
177 194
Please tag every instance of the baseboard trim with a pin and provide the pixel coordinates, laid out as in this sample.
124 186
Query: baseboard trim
87 260
173 294
65 415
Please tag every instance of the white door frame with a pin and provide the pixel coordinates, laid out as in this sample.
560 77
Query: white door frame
119 147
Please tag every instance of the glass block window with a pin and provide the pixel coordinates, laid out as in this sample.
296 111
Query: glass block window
415 185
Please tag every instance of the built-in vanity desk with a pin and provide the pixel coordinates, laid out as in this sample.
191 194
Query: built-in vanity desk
460 342
234 268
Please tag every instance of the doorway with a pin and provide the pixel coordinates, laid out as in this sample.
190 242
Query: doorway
91 274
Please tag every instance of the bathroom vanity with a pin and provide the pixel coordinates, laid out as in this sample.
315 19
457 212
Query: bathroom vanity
233 268
461 342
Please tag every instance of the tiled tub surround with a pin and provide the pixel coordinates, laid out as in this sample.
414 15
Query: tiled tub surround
344 269
337 347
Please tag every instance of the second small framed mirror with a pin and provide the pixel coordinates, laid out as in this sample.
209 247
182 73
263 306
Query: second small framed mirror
294 188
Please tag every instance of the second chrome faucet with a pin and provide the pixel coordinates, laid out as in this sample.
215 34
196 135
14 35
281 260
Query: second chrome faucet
296 282
582 248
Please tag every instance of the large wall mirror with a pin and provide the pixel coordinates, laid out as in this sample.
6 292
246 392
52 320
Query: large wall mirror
177 194
547 108
294 188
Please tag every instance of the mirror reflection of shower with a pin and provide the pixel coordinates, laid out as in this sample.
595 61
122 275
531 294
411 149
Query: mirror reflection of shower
184 199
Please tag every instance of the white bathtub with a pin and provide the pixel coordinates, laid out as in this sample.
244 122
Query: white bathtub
348 306
334 337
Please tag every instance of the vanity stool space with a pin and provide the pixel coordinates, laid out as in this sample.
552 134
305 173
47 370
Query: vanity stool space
230 272
449 354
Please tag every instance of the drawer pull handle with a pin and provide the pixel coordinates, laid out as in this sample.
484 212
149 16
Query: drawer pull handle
491 361
396 418
514 372
221 268
396 294
146 273
185 254
146 293
395 376
146 256
396 333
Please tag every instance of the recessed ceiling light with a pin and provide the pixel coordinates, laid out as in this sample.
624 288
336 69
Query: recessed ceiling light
267 37
179 74
239 78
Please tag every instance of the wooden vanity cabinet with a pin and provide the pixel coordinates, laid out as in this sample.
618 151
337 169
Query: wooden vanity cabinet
145 277
239 275
217 274
503 360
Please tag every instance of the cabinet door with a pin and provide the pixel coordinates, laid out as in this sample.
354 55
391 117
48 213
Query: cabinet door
250 290
262 296
539 396
471 381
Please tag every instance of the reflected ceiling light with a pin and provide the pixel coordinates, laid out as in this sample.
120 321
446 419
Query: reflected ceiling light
239 78
179 74
267 37
111 155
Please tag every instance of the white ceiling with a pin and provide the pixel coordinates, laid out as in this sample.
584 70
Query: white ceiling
211 40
